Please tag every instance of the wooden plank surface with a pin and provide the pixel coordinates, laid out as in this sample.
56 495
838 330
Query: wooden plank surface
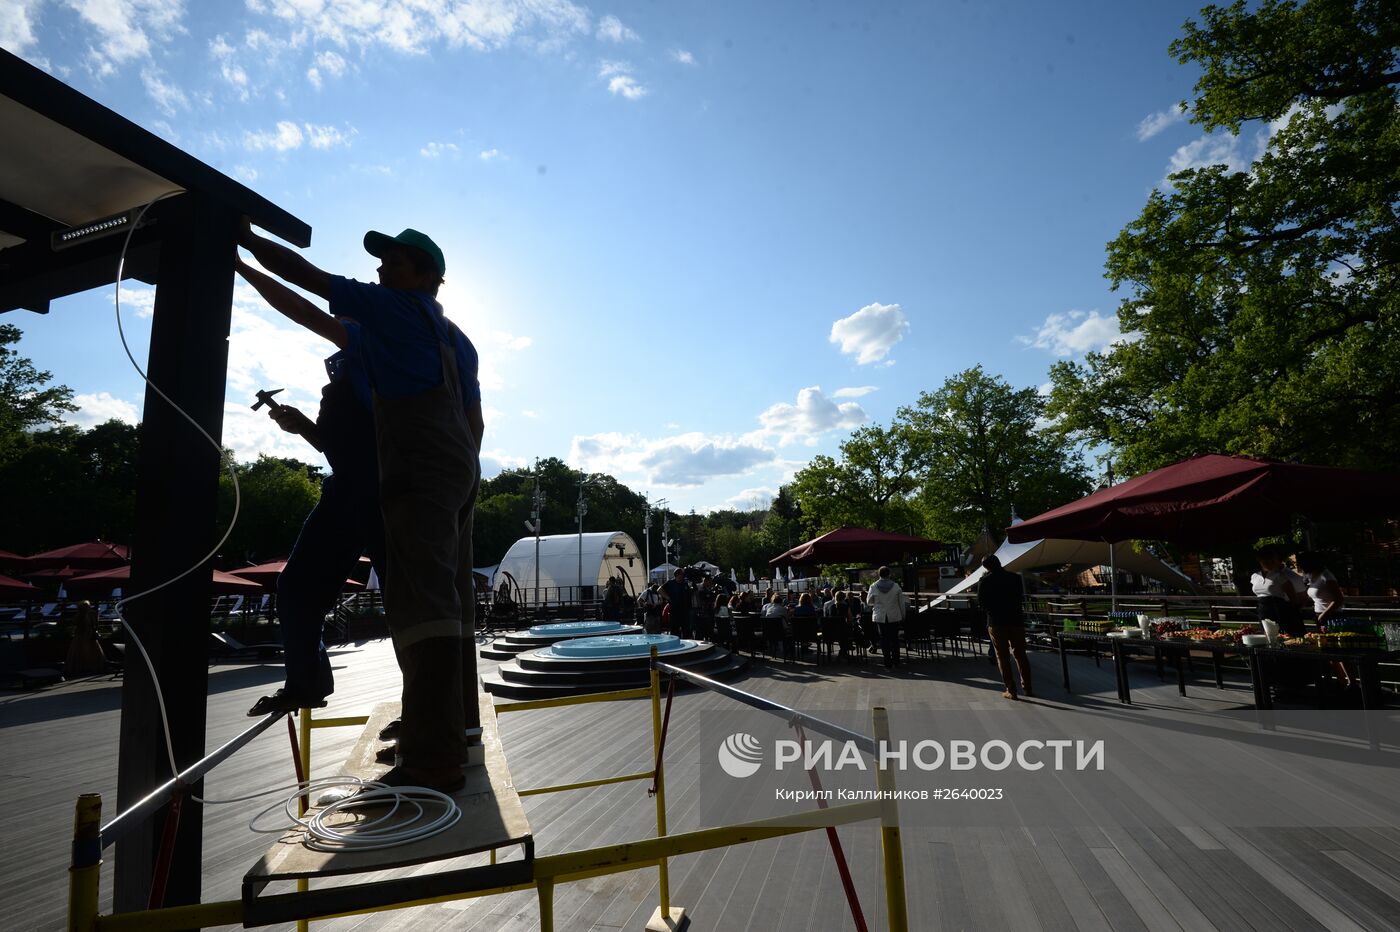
62 741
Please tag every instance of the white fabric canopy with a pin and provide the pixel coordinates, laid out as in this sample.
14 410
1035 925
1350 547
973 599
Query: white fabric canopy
602 555
1018 558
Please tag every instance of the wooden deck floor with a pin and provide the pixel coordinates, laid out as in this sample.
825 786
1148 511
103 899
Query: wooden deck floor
1126 874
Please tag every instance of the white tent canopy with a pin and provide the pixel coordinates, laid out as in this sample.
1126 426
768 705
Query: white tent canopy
603 554
1018 558
663 571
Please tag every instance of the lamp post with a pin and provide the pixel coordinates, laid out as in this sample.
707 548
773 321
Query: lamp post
536 506
581 509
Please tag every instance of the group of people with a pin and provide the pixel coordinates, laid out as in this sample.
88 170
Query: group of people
705 609
400 424
1285 594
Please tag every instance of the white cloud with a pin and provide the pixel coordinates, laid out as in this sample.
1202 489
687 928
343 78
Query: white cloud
232 72
759 499
501 339
166 96
620 80
17 24
611 29
532 415
125 28
1153 124
137 299
494 462
857 391
326 137
331 63
100 408
813 415
684 460
1220 148
490 155
1077 332
871 332
245 173
285 137
682 56
414 26
435 150
266 352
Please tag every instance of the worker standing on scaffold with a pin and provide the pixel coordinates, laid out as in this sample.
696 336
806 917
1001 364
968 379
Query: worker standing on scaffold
346 521
428 429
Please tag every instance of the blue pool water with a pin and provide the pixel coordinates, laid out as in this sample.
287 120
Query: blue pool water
567 628
616 646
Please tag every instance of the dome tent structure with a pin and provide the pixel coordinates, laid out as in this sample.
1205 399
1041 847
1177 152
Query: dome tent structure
605 554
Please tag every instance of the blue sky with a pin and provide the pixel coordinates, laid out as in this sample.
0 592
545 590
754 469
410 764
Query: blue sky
695 243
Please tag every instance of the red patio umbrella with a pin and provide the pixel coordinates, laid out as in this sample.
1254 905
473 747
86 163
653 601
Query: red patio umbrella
266 574
854 545
95 555
223 583
1215 499
13 587
59 573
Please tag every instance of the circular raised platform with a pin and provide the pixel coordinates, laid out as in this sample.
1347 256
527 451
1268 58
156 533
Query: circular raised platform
616 647
575 628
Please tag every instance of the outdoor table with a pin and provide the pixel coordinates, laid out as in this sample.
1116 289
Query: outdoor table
1367 668
1179 648
1097 641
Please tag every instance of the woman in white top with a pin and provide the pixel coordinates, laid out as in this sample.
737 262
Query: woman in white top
1326 595
1279 590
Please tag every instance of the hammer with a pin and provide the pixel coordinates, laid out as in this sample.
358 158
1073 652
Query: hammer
265 398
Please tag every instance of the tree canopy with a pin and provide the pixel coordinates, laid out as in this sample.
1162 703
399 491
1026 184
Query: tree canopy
948 465
1262 304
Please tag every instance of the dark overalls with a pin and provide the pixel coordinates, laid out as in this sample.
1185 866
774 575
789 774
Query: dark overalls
344 525
428 477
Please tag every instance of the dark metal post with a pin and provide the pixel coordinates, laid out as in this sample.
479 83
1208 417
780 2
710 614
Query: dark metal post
176 498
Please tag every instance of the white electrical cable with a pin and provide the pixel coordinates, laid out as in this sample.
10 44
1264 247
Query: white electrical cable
371 834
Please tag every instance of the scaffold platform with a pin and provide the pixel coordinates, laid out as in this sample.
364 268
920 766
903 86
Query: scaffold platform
492 819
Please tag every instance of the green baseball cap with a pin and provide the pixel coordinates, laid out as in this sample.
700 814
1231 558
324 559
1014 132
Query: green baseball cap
377 243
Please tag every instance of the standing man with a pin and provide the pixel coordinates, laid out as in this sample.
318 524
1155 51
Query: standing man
677 594
428 429
345 522
886 612
702 610
1002 594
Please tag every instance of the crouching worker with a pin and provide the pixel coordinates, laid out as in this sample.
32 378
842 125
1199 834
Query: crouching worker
428 427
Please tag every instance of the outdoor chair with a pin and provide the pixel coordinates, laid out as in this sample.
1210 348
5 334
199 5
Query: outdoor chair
774 637
836 632
230 648
918 636
804 632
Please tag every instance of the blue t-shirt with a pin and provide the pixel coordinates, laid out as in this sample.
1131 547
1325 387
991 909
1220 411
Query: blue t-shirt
348 365
400 353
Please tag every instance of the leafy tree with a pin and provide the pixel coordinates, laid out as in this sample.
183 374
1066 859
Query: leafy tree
275 496
987 449
872 485
65 485
26 399
1264 301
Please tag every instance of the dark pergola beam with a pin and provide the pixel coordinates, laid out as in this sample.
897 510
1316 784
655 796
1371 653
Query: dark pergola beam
41 92
32 274
176 510
23 222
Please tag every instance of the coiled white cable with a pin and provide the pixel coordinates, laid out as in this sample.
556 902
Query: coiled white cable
370 834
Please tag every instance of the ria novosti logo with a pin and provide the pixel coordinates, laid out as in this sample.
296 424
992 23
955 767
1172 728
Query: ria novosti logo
740 755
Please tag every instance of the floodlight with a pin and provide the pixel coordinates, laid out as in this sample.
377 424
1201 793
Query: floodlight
97 229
